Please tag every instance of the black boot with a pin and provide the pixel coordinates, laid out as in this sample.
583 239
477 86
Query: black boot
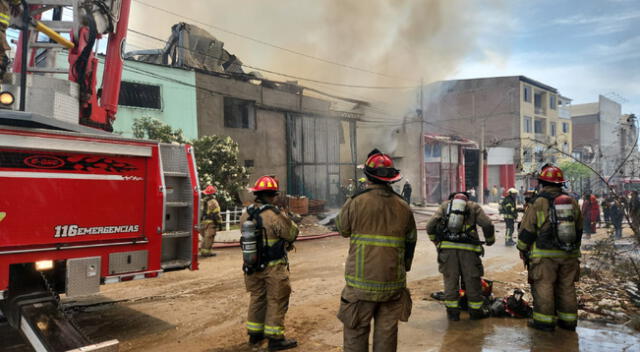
477 314
282 344
453 314
541 326
567 326
255 340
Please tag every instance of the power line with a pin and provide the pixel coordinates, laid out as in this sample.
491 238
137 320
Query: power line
274 72
270 44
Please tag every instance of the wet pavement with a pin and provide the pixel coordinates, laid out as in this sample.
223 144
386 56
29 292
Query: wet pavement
428 330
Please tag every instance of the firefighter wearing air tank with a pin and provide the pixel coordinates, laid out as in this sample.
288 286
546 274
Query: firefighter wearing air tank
453 229
549 243
510 214
382 234
267 235
7 8
211 219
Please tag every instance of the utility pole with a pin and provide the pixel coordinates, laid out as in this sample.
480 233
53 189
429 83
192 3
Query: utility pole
423 185
481 163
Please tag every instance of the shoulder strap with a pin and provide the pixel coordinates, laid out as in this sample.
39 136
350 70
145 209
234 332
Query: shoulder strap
359 193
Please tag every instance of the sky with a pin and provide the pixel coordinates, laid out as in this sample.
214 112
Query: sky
584 48
581 47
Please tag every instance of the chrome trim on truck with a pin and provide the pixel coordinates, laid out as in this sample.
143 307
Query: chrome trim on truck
35 250
69 145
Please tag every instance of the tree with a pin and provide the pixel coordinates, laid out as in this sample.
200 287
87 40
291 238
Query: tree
150 128
218 164
216 158
574 171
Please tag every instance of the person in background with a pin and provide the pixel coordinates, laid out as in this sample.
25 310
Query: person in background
406 192
472 194
605 204
616 215
634 209
595 213
494 194
211 220
586 215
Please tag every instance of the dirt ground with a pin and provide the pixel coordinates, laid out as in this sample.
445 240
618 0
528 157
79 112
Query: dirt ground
205 310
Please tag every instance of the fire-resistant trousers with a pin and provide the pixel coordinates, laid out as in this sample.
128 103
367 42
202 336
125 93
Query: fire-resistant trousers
554 292
209 235
509 223
270 290
455 264
358 325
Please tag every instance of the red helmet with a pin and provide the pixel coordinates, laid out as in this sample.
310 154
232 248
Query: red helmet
461 196
552 174
265 183
210 190
380 167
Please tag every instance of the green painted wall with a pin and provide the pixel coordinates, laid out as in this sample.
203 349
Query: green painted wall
177 90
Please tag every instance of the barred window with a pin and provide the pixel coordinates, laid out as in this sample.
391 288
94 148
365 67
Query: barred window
139 95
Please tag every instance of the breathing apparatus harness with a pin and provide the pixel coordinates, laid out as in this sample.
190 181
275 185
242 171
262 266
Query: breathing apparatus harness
256 252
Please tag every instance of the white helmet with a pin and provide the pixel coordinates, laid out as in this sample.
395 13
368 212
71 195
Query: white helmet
513 191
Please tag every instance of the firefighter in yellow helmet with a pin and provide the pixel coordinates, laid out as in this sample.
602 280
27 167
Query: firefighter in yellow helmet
453 230
382 233
211 220
7 8
267 235
549 243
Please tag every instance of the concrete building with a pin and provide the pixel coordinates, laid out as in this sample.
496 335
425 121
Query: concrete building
525 123
596 134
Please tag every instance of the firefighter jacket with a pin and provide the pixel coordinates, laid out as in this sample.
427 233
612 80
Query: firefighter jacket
508 207
5 11
383 237
536 233
475 216
280 233
211 211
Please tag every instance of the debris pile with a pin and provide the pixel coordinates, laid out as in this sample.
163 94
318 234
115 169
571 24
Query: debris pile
609 287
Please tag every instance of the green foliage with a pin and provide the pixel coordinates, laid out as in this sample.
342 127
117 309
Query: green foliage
150 128
218 164
574 170
216 158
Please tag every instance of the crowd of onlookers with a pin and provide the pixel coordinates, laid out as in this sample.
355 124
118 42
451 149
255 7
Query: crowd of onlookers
597 210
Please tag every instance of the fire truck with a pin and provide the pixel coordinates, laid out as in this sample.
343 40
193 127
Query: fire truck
80 206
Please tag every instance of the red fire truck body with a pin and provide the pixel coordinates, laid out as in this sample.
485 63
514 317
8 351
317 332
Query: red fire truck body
68 195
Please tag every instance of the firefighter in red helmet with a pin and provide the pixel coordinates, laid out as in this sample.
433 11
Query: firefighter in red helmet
382 233
549 243
453 230
210 221
268 234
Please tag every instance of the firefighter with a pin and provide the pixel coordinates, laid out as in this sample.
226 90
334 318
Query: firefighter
382 233
211 219
453 230
268 281
7 8
549 243
510 214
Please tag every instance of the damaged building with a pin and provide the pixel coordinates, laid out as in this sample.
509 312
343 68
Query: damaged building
302 139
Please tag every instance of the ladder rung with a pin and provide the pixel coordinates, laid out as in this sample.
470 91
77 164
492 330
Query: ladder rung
45 45
48 69
52 2
59 26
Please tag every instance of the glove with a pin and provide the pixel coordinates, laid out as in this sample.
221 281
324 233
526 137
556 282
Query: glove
490 242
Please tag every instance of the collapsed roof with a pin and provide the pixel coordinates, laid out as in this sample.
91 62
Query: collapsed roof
191 47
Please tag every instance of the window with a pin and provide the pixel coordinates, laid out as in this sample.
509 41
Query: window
565 127
432 151
553 128
140 95
248 163
552 102
527 94
527 124
538 126
527 155
239 113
